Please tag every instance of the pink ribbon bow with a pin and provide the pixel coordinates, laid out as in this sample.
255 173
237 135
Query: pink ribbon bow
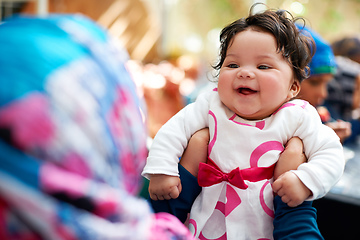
210 174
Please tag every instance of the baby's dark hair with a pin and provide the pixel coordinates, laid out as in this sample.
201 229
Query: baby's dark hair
295 47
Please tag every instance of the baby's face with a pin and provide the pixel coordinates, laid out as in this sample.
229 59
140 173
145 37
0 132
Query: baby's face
255 79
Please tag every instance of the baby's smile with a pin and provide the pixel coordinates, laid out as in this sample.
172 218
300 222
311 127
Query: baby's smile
246 91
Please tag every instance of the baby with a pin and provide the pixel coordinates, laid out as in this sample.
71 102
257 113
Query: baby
250 115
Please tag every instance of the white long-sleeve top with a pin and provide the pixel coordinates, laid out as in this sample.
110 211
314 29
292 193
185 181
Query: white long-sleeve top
236 142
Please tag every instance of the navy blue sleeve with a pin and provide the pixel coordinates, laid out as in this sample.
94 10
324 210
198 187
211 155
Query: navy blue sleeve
180 207
295 222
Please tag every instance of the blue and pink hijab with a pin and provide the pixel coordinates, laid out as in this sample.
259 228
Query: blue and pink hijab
72 138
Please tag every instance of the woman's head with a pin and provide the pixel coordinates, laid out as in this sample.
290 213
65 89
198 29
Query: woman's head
70 116
72 136
61 78
296 48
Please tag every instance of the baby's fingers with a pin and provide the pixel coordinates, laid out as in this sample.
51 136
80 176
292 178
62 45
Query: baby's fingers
156 197
277 185
153 196
175 191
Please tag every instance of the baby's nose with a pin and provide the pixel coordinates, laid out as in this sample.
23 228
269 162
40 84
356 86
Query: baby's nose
246 73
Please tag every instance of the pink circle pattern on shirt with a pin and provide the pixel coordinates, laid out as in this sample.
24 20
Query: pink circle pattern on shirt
233 199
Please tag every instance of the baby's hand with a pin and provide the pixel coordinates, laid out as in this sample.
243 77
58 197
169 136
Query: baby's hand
291 190
163 187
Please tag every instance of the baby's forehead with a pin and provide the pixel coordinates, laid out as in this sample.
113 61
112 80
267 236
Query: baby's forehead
254 40
256 33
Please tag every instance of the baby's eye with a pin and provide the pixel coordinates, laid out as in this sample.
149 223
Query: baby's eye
233 65
263 67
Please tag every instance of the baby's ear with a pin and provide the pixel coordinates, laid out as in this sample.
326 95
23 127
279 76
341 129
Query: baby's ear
294 89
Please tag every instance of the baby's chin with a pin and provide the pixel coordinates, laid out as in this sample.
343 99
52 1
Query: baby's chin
252 115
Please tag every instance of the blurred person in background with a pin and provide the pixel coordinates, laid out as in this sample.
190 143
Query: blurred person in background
72 137
315 88
343 100
348 47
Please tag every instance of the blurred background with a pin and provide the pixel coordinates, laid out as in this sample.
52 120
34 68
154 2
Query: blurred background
154 30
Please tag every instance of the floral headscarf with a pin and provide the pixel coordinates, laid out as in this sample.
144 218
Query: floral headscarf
72 138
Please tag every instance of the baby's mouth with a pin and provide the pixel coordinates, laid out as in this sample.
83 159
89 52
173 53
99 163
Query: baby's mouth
246 91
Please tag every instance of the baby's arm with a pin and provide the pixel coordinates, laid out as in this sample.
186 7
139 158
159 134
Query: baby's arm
291 189
323 150
169 187
169 144
164 187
